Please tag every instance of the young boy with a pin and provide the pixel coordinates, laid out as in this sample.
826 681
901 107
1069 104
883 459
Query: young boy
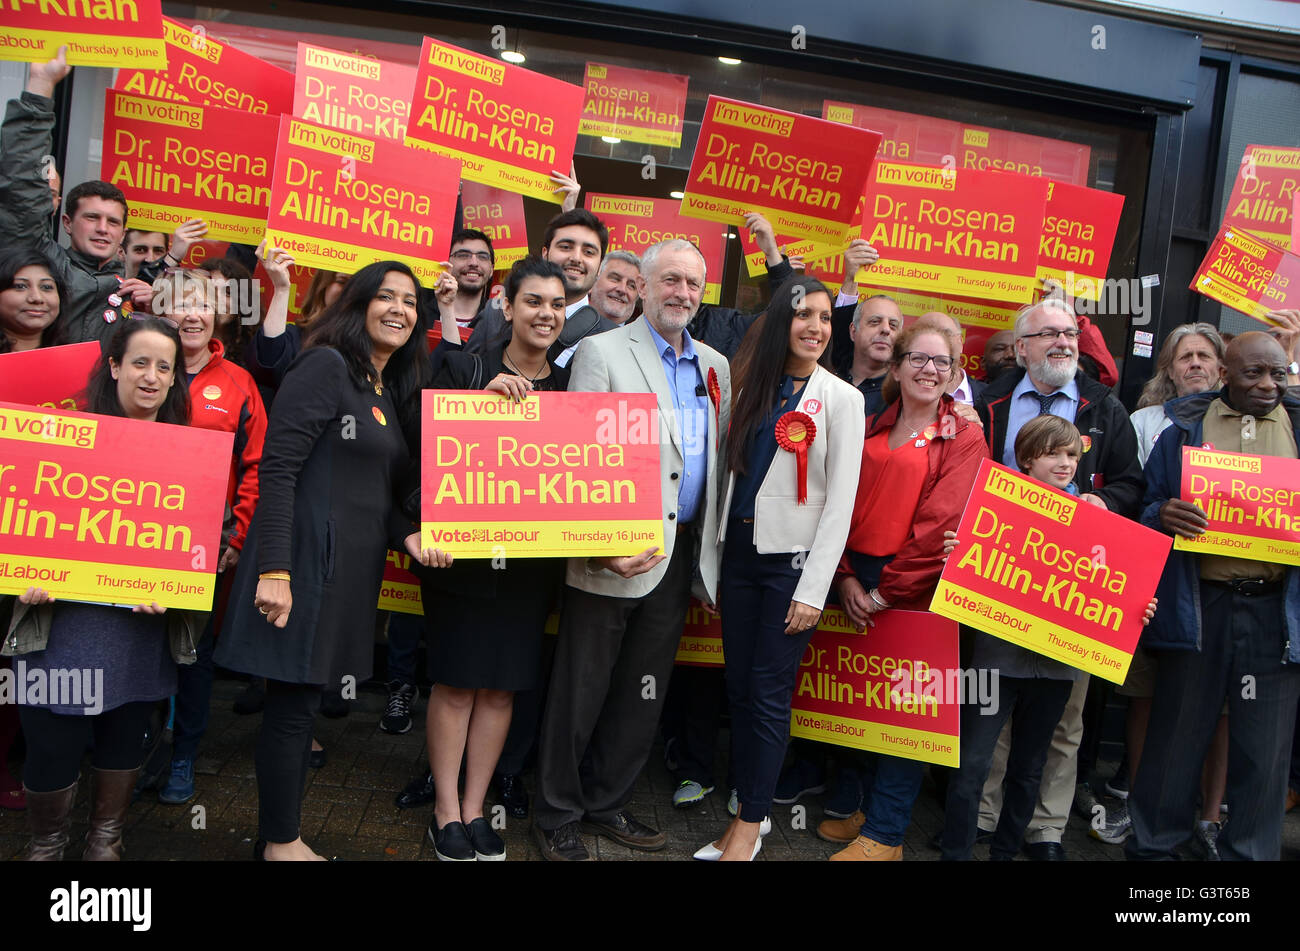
1031 685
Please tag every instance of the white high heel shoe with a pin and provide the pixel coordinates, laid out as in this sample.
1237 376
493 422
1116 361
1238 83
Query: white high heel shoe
711 853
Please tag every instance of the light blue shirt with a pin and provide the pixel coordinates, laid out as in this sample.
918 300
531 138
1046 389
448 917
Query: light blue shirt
1025 406
684 382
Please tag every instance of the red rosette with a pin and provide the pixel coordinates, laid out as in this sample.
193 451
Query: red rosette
715 397
795 432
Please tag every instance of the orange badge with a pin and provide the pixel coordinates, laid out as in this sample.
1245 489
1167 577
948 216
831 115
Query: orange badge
379 416
1087 442
211 392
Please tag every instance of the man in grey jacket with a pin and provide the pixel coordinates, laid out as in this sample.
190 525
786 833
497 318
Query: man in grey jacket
94 213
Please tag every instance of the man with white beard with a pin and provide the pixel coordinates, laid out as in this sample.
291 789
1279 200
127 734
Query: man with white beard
1109 475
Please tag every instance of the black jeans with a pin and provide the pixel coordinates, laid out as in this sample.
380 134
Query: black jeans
762 663
56 742
1037 703
1241 658
283 749
194 697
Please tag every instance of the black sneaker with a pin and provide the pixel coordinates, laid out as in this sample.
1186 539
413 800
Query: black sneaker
512 794
397 716
451 842
488 846
418 792
562 845
252 700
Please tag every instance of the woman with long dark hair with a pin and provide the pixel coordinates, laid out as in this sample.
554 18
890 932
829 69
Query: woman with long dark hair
303 605
794 445
31 299
137 650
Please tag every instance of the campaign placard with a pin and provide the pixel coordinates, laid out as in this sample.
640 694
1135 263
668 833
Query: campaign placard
1264 194
633 104
510 126
1077 237
927 140
1248 274
1250 502
963 232
53 377
499 214
370 97
127 33
102 508
341 201
636 223
208 72
556 475
175 161
1051 572
895 689
805 175
701 643
400 590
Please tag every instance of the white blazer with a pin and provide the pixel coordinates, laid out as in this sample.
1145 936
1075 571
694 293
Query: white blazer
625 361
820 526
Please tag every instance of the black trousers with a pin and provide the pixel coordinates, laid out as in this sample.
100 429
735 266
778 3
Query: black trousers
601 706
56 742
1241 656
283 749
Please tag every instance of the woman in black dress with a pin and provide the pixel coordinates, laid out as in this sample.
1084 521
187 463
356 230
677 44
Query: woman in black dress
485 620
303 605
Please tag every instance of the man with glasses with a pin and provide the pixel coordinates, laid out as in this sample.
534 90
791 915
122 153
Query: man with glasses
472 264
1049 381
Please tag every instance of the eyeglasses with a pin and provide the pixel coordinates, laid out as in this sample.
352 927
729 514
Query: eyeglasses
942 362
1070 334
464 255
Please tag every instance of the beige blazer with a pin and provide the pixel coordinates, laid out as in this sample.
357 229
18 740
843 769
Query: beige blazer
625 361
820 526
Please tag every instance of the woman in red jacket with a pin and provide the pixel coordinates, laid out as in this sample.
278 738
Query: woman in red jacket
919 461
223 397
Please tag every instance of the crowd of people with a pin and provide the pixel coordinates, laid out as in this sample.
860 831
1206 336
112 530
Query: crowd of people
819 453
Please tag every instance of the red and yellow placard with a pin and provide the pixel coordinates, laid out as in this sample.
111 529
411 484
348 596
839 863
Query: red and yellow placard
926 140
127 33
53 377
175 161
895 689
102 508
341 201
367 96
1264 193
1249 274
701 643
500 215
400 590
966 232
559 474
633 104
1251 502
805 175
1077 237
207 72
510 126
636 223
1051 573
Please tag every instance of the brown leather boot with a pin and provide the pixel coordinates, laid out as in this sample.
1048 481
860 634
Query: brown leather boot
48 813
110 796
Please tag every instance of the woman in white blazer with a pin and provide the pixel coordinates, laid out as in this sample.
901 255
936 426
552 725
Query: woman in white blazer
793 450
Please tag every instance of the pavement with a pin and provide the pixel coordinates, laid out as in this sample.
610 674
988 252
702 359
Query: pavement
348 810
